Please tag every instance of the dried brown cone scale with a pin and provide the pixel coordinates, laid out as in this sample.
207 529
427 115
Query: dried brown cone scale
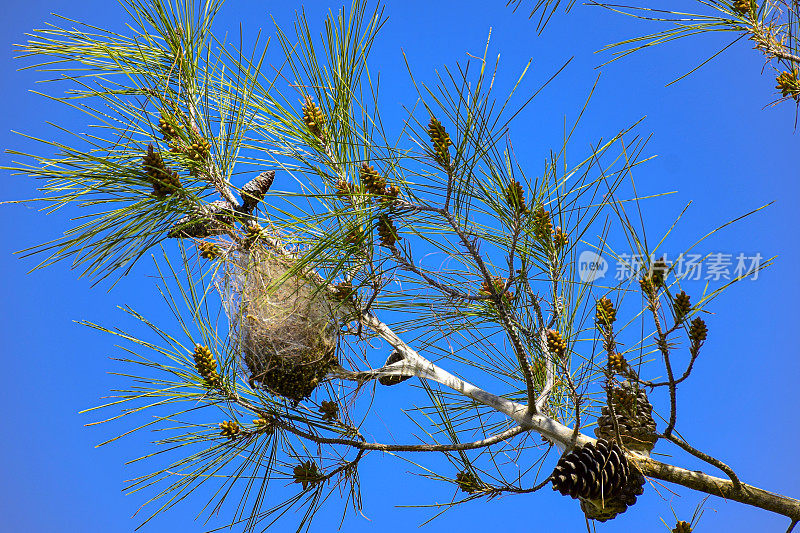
394 357
632 419
593 471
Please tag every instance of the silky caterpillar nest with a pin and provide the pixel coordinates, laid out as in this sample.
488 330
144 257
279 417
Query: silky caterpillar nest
284 322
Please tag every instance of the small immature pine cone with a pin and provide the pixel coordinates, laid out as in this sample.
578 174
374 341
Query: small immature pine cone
391 193
329 411
698 331
169 128
253 234
230 429
307 474
164 181
789 84
560 239
441 142
682 527
617 363
467 482
556 344
208 250
206 366
498 284
265 423
605 314
314 119
387 233
542 225
741 7
515 197
659 270
373 182
681 305
199 151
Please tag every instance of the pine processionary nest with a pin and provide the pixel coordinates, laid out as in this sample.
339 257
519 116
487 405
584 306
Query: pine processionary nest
284 322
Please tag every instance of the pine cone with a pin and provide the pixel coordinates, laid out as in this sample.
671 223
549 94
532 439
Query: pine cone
542 225
741 7
789 84
373 182
617 363
387 233
560 239
634 419
206 366
208 250
659 271
681 305
605 509
329 411
498 284
682 527
556 344
164 181
199 151
592 471
255 189
515 197
698 332
306 473
605 314
394 357
230 429
441 142
467 482
314 119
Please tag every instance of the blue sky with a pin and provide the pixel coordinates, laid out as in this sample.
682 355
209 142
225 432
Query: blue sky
716 144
